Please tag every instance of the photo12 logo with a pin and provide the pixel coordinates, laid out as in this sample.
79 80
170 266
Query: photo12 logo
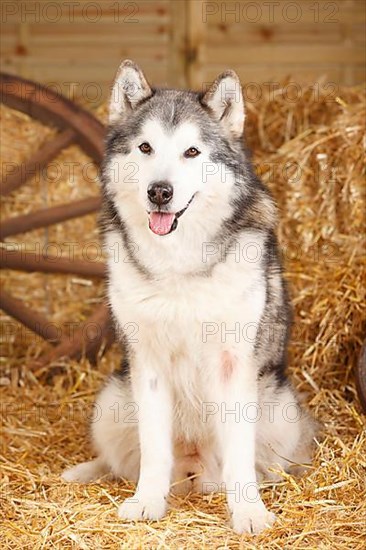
68 11
269 12
252 412
251 252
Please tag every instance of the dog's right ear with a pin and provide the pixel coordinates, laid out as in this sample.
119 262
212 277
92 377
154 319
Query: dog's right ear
129 88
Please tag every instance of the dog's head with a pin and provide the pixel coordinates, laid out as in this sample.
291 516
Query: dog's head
172 153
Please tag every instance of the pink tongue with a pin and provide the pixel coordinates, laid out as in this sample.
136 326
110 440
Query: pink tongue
161 222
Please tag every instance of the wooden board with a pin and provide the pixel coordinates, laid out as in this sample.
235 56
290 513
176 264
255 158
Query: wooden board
52 44
183 42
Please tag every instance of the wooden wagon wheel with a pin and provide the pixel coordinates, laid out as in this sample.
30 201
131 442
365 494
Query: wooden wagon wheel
361 377
75 125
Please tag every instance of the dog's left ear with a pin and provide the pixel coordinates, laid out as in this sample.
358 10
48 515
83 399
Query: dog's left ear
129 88
225 99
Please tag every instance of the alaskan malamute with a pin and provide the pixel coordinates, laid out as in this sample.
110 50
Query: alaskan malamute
202 402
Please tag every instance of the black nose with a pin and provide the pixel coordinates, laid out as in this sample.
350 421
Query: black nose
160 192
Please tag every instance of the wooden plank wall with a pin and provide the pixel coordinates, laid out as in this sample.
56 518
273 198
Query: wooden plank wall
267 41
78 44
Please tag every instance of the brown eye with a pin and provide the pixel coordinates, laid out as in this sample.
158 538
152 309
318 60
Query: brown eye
145 148
191 153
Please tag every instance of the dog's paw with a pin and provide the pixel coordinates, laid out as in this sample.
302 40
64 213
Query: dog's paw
252 518
84 472
139 507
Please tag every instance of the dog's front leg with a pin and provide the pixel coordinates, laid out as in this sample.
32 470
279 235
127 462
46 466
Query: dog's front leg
153 399
236 434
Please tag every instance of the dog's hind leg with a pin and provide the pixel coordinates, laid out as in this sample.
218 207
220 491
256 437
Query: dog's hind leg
86 471
285 431
114 436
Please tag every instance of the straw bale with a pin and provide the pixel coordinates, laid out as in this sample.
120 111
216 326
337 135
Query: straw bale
311 154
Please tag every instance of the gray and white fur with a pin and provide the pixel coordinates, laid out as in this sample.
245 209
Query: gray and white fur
202 402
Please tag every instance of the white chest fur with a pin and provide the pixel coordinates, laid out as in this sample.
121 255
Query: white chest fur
182 308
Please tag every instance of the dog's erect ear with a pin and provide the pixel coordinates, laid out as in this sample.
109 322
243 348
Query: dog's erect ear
225 100
129 88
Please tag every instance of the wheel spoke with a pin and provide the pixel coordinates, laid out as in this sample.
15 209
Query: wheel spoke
48 216
88 339
41 158
32 319
45 263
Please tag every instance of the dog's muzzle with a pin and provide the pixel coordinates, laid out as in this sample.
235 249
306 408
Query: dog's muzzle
162 222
